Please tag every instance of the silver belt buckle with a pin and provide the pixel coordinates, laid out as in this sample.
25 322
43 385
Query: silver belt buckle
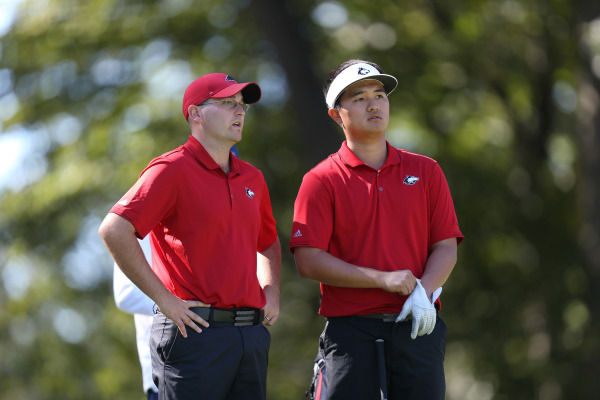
244 317
389 317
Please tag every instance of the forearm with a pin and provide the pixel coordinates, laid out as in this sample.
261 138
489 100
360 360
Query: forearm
268 270
119 237
269 266
321 266
129 297
440 264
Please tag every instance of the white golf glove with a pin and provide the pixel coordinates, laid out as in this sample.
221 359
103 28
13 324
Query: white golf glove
422 311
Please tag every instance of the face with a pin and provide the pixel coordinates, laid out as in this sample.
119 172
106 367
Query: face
221 123
363 109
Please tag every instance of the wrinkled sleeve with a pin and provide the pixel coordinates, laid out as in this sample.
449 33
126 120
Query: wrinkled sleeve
442 216
313 214
268 231
150 200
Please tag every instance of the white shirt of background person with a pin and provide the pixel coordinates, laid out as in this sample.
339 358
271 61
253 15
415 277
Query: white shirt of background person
132 300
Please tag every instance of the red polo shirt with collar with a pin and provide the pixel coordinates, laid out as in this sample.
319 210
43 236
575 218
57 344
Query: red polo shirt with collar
205 226
385 219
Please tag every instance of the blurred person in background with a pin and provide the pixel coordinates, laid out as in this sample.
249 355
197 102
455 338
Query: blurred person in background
132 300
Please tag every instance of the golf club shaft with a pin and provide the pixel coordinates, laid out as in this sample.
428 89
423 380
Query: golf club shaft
381 366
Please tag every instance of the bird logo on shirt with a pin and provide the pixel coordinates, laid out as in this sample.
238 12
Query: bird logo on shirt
410 180
249 193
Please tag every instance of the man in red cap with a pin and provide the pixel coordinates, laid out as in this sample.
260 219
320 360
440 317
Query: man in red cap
208 213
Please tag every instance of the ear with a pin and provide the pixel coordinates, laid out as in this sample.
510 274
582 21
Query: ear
335 115
193 112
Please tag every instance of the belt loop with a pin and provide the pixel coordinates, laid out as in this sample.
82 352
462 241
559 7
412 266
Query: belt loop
211 315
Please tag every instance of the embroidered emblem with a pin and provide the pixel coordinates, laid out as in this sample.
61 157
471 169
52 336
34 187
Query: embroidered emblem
249 193
229 78
298 234
363 71
410 180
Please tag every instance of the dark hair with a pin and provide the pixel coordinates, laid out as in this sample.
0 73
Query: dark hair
337 70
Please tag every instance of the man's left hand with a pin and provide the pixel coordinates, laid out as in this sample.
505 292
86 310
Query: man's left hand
271 309
422 310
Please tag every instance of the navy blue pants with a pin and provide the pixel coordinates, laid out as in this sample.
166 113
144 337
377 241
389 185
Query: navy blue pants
415 368
223 362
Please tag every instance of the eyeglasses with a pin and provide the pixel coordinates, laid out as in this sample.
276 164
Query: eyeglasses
228 103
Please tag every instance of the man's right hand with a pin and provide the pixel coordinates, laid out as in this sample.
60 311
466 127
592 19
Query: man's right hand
179 312
402 282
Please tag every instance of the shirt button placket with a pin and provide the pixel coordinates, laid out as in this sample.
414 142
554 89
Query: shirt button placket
231 195
378 183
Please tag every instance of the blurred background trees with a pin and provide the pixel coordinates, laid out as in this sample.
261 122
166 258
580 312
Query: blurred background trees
504 94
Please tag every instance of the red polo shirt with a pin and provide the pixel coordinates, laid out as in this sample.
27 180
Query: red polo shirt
386 220
205 226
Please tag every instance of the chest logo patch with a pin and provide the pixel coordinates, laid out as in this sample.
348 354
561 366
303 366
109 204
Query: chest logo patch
249 193
410 180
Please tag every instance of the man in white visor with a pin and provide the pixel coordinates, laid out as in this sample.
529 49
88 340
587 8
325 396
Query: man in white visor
376 226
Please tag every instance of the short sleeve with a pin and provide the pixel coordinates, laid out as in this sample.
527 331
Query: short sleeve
268 232
442 216
150 200
313 214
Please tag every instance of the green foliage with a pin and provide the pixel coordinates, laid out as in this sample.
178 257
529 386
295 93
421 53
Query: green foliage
486 88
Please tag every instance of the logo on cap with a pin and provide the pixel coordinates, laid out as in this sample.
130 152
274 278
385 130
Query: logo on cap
229 78
363 71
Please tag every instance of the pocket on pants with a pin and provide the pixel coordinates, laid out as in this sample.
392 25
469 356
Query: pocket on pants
164 336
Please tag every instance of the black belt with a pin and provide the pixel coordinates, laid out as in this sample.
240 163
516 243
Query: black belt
236 316
385 317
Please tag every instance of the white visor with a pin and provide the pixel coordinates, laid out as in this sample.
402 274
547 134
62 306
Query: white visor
355 73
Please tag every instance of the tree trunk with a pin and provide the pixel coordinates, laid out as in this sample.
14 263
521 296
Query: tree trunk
588 133
316 131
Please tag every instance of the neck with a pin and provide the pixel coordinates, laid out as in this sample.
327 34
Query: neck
372 153
219 152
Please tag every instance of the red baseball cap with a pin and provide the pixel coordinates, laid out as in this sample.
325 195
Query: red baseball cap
218 86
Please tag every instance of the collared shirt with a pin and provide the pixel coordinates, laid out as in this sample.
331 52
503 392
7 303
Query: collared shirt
385 219
205 226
